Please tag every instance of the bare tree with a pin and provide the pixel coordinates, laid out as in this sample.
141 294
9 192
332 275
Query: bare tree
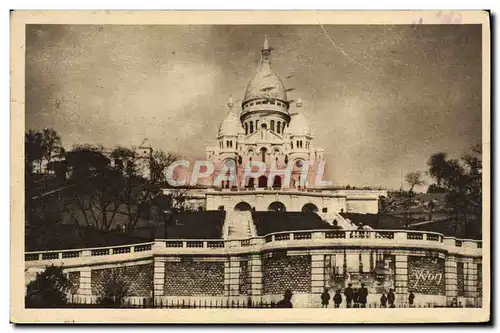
413 179
160 160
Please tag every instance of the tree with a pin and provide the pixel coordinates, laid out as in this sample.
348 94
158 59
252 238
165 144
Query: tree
413 179
433 188
51 144
159 162
33 149
97 187
437 167
48 289
382 208
462 181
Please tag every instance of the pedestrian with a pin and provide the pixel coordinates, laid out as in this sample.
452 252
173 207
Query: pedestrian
325 298
286 302
349 294
355 298
391 298
411 299
363 296
337 299
383 301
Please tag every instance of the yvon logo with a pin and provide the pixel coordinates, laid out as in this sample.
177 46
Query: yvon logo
425 276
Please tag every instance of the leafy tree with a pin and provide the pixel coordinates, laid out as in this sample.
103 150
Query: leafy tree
437 167
434 188
48 289
462 181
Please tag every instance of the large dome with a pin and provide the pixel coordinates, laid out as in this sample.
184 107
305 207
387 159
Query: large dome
265 83
230 125
299 125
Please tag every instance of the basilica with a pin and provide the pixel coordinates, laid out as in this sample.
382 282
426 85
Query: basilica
270 128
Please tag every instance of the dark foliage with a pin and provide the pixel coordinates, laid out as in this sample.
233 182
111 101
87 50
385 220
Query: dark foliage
48 289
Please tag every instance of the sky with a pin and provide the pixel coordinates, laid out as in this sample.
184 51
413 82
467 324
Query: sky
380 99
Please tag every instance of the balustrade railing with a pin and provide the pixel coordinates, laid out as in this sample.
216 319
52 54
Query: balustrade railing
392 237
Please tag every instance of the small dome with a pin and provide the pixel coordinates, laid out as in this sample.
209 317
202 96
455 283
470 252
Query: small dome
230 125
299 125
265 83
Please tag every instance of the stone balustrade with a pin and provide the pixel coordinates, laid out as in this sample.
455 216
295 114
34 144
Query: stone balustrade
290 239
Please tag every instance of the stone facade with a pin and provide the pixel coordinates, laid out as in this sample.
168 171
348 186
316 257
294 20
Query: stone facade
438 270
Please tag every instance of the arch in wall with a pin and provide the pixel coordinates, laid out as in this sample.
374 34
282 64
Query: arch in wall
310 208
242 206
276 206
262 181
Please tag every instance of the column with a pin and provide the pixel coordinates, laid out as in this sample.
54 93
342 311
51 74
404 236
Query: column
317 275
470 279
450 276
85 285
232 278
401 279
294 204
158 277
256 277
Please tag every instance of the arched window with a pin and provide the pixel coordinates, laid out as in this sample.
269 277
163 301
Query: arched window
279 126
310 208
262 181
272 125
277 207
242 206
263 152
283 128
246 128
250 183
277 182
292 144
251 127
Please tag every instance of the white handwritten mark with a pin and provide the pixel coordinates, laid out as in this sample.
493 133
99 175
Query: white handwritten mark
428 277
341 50
450 17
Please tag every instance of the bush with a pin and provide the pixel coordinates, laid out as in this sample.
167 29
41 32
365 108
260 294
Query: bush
113 292
48 289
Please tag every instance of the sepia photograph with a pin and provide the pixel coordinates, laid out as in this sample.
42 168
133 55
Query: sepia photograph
256 164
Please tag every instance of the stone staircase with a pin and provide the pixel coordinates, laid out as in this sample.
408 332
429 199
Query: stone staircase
346 224
238 224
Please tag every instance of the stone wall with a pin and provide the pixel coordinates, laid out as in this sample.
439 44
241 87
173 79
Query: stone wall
245 278
139 279
426 275
294 201
281 272
74 279
186 278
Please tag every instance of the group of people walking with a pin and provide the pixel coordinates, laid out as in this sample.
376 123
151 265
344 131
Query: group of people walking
357 298
354 298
